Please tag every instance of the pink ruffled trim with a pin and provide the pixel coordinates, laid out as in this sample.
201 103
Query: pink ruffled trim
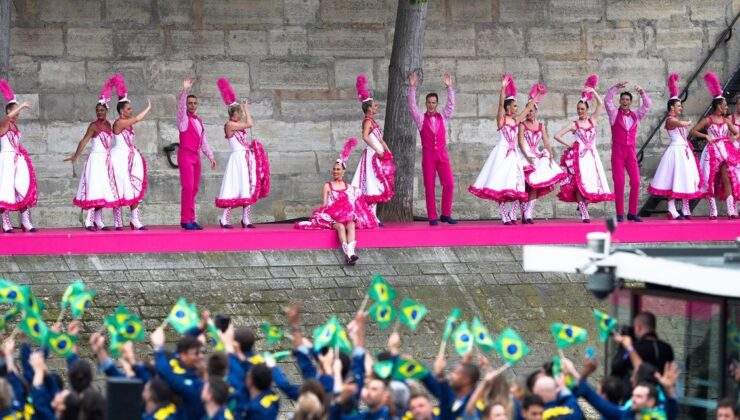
571 165
90 204
139 198
385 169
29 199
669 194
545 187
340 211
262 183
498 196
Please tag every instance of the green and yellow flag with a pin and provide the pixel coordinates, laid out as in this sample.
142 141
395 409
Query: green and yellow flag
463 339
383 314
183 316
31 301
278 355
411 313
381 290
11 293
132 329
383 369
215 340
451 323
481 336
652 414
323 336
342 342
61 343
115 346
272 333
73 289
34 327
511 347
409 369
80 302
605 323
557 369
567 335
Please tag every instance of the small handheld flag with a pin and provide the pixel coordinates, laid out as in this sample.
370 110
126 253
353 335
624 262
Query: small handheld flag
61 343
605 323
652 414
11 292
411 313
463 339
383 369
73 289
34 327
272 333
383 314
323 336
481 335
80 302
31 302
451 323
215 340
567 335
381 290
183 316
409 369
511 347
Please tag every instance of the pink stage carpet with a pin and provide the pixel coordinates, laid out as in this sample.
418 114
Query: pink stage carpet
393 235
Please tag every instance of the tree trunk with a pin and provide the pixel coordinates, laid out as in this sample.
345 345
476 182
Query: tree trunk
4 37
400 131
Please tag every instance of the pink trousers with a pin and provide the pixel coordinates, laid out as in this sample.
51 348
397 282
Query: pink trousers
432 163
189 163
625 158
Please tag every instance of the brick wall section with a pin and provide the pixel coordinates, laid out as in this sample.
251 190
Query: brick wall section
296 61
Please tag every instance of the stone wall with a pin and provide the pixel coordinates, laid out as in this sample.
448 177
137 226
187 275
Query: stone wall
296 60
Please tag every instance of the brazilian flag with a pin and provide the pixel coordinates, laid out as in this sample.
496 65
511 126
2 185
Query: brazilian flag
451 323
383 314
278 355
272 333
73 289
381 290
557 369
115 346
463 339
31 301
652 414
383 369
605 324
481 335
60 343
409 369
34 327
183 316
324 335
511 347
127 326
215 340
411 313
341 340
80 302
567 335
11 293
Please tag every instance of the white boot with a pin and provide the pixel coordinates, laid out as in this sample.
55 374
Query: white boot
686 208
583 208
117 218
504 214
246 217
731 209
26 221
672 210
135 220
225 219
7 224
712 208
351 252
514 216
90 220
98 219
345 249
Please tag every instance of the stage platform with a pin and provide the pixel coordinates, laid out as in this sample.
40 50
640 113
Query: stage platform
164 239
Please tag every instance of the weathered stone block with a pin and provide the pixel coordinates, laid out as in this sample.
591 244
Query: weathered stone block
36 41
472 11
576 11
565 75
522 11
353 11
33 98
237 73
98 72
85 12
480 130
481 74
554 40
61 75
679 41
274 74
288 41
347 70
647 72
293 137
167 76
131 43
247 43
301 12
23 73
602 40
643 9
449 41
347 43
89 42
175 11
320 110
225 12
293 162
137 12
499 41
186 44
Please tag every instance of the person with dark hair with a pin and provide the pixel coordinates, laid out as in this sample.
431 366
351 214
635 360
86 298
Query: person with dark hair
502 177
421 408
727 409
262 402
215 395
305 356
129 166
80 375
375 394
217 365
715 160
158 404
432 127
375 172
532 407
612 388
62 405
586 182
18 189
646 345
93 405
677 175
193 140
624 124
97 188
454 390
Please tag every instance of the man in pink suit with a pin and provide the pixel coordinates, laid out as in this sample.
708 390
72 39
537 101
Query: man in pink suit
434 160
192 142
624 123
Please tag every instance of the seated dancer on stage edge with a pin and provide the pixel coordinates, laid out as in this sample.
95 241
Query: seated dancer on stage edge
715 158
18 190
434 159
97 188
541 173
247 174
375 172
128 164
343 208
678 175
502 176
586 182
733 148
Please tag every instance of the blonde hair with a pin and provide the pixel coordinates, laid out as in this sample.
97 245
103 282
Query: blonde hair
309 407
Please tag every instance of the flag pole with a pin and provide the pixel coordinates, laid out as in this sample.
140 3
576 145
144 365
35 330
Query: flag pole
58 323
502 369
365 301
442 347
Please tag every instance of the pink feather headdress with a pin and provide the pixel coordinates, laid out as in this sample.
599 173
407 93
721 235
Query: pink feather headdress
538 88
510 91
227 93
104 96
591 82
7 92
363 94
673 85
348 146
118 82
715 89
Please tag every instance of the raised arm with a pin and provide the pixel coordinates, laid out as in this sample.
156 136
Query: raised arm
91 129
646 103
182 105
120 124
450 104
569 128
599 106
501 113
5 121
611 110
239 125
673 122
522 115
416 115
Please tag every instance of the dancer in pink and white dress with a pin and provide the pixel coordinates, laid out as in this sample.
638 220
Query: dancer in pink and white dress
678 175
344 208
733 151
247 174
586 182
18 191
716 181
128 164
541 172
502 176
97 188
375 172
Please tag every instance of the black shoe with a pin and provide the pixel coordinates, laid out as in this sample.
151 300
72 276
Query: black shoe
586 220
620 219
633 218
190 226
530 222
433 222
448 219
507 223
380 224
197 226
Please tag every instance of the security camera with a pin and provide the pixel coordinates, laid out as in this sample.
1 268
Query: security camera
601 282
